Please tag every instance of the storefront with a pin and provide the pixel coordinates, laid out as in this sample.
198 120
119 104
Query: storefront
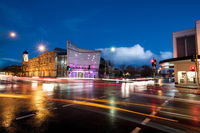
184 69
186 77
82 74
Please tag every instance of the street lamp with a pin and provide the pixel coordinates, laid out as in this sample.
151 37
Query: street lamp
12 34
41 48
107 68
112 49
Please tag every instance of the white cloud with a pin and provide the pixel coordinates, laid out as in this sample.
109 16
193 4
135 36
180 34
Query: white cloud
166 55
10 59
136 55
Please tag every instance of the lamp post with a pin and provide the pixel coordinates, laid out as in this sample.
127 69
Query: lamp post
12 34
41 48
112 49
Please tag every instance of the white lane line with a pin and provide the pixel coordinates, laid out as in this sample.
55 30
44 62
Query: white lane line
136 130
66 105
177 115
169 98
26 116
145 121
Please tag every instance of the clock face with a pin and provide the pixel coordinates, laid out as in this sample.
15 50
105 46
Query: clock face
25 57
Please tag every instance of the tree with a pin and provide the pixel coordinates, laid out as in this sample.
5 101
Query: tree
146 71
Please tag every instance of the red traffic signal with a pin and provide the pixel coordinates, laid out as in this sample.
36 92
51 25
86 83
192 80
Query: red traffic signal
153 62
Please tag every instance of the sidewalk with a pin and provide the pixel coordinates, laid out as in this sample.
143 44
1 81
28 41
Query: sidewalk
190 86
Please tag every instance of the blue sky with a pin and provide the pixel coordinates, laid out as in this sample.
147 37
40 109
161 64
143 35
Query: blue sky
93 24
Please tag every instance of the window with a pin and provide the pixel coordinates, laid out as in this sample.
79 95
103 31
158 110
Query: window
186 46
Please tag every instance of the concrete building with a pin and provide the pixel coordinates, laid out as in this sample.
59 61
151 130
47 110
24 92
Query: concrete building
186 45
83 63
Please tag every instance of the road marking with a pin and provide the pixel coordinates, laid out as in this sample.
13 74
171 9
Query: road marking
167 97
153 113
66 105
178 115
26 116
145 121
136 130
119 102
110 107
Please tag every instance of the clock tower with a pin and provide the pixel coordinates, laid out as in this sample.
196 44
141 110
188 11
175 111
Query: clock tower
25 56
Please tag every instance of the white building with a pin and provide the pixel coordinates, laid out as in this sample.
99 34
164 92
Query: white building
186 44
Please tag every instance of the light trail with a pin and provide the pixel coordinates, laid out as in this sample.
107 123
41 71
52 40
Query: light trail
87 104
14 96
122 103
110 107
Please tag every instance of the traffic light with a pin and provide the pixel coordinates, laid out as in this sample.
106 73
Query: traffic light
69 68
153 62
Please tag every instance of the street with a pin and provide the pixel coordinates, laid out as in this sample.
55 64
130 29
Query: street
97 106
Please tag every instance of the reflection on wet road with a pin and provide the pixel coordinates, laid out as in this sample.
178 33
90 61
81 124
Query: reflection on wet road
123 107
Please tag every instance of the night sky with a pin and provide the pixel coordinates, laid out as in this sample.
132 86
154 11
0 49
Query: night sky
94 24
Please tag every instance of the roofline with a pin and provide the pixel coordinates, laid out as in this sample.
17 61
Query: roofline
185 30
177 59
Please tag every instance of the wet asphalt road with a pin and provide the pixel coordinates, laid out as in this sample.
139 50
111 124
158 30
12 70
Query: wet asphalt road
96 106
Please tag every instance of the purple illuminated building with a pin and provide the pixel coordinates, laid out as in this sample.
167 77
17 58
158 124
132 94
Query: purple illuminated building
83 63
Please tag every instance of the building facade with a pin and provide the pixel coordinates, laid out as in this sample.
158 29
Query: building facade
186 48
14 70
83 63
42 66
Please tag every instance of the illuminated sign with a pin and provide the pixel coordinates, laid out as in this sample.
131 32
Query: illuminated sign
192 68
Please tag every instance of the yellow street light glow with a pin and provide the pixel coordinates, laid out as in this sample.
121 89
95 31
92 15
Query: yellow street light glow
12 34
41 48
